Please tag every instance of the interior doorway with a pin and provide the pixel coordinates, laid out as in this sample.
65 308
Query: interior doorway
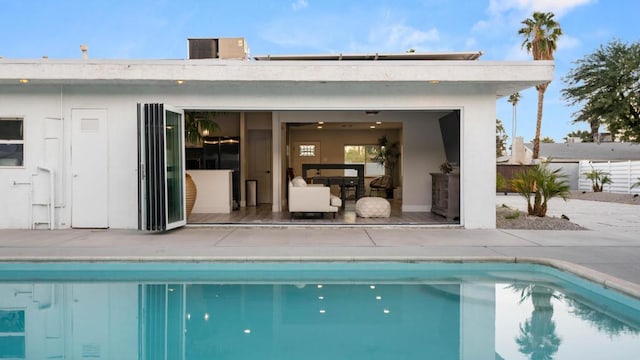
260 164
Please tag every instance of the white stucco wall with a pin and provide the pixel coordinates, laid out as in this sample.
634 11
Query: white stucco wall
65 321
36 103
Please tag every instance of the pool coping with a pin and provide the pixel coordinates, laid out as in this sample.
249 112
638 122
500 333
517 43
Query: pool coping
607 281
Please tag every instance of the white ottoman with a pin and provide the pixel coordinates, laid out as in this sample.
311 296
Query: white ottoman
373 207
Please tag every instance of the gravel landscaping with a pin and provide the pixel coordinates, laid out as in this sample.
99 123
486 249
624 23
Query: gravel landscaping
509 218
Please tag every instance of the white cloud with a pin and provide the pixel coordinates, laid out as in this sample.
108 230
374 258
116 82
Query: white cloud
558 7
401 37
299 5
506 13
566 42
383 31
505 17
516 53
471 43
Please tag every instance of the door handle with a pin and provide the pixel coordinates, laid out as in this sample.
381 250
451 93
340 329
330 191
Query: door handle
268 171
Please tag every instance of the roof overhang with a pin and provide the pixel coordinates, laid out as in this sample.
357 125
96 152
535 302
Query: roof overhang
505 77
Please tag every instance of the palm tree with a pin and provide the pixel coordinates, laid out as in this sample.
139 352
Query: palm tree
514 99
599 178
541 33
544 184
538 338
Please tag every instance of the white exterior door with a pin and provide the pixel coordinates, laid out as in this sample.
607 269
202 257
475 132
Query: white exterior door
260 164
89 169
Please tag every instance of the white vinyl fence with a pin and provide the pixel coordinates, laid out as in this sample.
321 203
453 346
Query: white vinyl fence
622 173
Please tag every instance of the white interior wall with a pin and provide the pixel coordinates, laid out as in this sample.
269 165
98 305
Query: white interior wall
423 152
333 141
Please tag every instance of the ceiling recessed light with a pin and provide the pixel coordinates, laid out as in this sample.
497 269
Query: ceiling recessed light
179 82
320 122
378 122
435 81
319 126
24 81
372 127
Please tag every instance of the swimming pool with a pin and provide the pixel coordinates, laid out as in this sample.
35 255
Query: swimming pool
366 310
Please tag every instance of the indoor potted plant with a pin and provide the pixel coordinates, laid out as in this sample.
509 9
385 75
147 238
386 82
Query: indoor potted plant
197 125
388 156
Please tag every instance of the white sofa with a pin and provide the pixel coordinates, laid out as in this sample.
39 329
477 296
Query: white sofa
311 198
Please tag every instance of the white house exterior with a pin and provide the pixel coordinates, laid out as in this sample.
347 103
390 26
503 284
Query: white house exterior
79 122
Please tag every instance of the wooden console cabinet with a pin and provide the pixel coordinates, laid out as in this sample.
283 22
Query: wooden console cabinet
445 195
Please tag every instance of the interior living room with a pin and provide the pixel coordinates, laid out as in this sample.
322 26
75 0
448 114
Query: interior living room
341 157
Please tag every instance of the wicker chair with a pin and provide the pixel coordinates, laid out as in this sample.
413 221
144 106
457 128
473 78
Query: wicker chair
382 183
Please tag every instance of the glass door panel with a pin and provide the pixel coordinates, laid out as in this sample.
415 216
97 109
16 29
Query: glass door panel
161 189
174 167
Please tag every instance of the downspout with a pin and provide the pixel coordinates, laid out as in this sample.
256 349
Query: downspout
52 195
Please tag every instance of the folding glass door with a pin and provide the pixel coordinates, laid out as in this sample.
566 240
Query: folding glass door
161 189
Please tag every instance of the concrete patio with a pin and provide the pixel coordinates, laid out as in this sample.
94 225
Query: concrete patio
608 254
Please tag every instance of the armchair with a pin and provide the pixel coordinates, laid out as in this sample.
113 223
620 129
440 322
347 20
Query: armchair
311 198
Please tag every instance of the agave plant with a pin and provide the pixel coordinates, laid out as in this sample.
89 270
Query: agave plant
544 184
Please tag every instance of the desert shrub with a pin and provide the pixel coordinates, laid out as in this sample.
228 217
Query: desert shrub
598 179
543 184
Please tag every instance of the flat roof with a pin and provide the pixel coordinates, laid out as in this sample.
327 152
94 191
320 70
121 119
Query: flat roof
374 57
499 77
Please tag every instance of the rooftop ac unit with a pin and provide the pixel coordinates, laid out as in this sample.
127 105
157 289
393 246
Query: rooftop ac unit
218 48
203 48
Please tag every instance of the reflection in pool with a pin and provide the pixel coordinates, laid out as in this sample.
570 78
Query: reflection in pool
310 311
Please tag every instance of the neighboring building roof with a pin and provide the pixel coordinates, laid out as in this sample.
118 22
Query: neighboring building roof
607 151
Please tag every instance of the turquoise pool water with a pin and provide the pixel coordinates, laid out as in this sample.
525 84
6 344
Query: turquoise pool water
364 310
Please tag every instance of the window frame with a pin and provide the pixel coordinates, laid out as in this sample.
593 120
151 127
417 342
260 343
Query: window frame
14 142
307 150
366 160
22 334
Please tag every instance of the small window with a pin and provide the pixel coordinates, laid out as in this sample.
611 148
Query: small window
307 150
12 334
363 154
11 142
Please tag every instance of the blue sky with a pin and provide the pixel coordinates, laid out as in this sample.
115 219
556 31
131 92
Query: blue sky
158 29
